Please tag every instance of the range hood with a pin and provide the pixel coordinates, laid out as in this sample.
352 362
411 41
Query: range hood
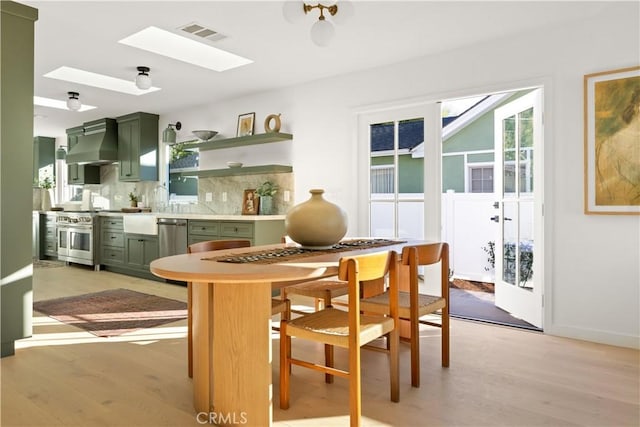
98 145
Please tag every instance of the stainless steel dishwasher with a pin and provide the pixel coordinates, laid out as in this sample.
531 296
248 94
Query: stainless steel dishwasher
172 236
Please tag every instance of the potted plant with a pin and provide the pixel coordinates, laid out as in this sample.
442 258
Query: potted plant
134 200
266 191
46 185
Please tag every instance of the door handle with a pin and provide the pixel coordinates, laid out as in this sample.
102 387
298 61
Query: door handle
495 218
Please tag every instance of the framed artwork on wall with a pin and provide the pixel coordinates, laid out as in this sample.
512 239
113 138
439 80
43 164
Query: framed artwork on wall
612 142
250 202
245 124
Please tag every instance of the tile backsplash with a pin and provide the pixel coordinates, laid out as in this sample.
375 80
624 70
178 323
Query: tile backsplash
225 193
234 187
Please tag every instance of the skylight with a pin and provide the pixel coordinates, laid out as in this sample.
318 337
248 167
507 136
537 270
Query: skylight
56 103
166 43
102 81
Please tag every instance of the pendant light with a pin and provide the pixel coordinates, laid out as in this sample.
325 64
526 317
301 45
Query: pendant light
73 103
143 81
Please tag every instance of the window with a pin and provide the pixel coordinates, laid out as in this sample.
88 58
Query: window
382 179
481 179
182 188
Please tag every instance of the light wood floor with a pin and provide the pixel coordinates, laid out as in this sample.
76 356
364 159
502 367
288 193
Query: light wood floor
498 376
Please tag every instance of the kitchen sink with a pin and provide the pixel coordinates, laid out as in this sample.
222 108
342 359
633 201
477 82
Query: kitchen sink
140 224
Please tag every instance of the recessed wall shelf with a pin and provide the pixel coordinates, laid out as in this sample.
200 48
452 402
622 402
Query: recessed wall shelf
217 144
249 170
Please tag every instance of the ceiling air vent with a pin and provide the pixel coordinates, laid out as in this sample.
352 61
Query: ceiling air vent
200 32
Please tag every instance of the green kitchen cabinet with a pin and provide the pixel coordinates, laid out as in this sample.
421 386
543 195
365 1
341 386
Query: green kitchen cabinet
44 159
126 253
138 147
80 174
111 241
261 232
140 250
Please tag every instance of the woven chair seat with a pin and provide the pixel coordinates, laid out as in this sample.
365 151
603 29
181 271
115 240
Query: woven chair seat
320 289
332 327
380 304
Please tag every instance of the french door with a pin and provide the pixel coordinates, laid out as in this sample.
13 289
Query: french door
517 191
396 188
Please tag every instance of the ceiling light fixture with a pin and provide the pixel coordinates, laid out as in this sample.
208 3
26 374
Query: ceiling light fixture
56 103
322 32
88 78
73 103
169 135
143 81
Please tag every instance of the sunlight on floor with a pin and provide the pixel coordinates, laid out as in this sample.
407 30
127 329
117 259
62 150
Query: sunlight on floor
140 337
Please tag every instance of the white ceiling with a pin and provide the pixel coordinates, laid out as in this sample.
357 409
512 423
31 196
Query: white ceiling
85 34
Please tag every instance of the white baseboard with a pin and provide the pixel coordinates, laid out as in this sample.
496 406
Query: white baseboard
594 335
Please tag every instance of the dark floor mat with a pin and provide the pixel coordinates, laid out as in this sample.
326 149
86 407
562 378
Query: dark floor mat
468 305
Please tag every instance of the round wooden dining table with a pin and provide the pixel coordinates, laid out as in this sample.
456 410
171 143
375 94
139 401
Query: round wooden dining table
231 309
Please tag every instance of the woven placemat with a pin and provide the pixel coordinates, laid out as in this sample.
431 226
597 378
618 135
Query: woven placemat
273 256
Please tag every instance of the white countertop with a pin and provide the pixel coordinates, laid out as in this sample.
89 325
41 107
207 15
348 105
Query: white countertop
201 216
189 215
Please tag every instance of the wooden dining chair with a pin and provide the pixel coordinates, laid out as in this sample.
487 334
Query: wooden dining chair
323 291
413 305
348 329
278 306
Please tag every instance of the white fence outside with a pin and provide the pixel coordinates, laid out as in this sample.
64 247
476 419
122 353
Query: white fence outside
466 226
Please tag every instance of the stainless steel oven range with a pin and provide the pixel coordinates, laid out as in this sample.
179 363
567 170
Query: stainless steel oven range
77 232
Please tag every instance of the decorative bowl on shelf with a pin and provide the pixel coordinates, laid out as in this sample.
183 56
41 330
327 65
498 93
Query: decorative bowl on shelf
204 135
234 164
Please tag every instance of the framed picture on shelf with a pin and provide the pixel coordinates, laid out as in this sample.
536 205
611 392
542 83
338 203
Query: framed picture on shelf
245 124
611 148
250 202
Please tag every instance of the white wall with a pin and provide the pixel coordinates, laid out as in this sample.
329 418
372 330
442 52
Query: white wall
592 278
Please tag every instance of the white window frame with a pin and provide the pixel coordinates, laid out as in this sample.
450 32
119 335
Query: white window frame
478 165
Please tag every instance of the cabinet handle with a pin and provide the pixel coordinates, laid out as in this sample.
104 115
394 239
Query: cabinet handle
113 237
128 174
140 240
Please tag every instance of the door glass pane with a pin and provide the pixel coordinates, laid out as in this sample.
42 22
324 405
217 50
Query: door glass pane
410 164
526 244
410 224
509 156
525 128
382 219
510 242
382 173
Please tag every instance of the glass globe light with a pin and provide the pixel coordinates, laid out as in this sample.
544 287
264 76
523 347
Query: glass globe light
322 32
293 11
143 81
73 103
